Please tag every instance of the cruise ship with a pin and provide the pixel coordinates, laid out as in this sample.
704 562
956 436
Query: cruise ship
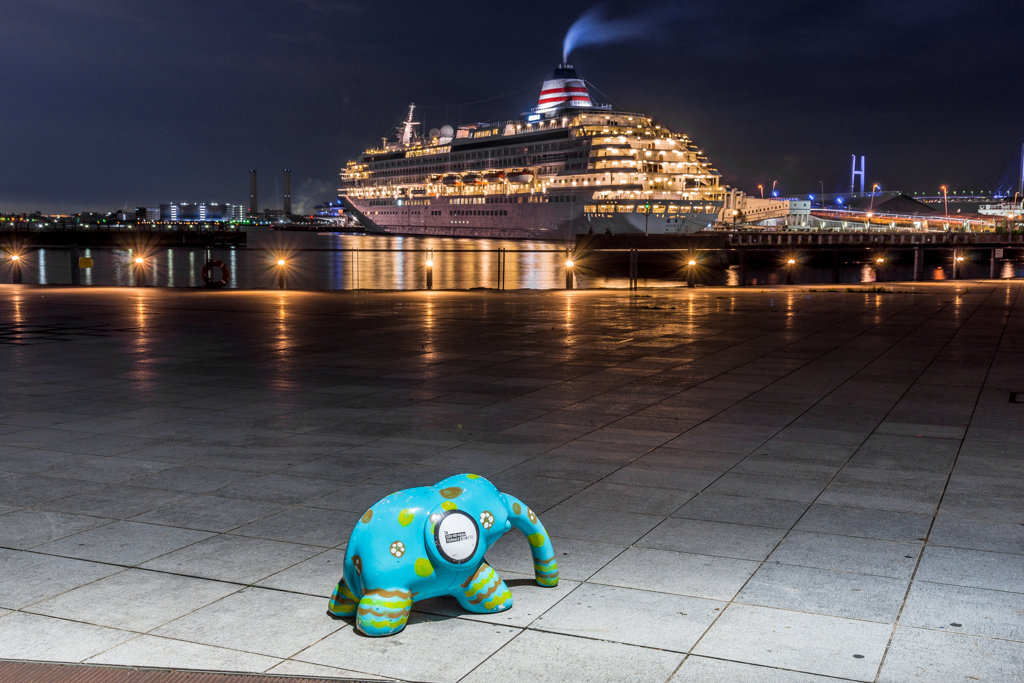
568 166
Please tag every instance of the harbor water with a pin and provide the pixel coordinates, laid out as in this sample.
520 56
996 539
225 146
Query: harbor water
331 261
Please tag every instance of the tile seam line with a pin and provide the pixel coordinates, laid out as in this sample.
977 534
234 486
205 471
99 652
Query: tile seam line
995 350
910 332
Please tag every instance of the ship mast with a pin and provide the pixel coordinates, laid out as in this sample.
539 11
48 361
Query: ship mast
407 130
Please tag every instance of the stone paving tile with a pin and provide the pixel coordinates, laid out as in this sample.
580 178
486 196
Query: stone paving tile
550 658
29 528
881 524
152 651
311 526
972 611
133 600
937 657
713 538
266 622
781 514
316 576
702 576
821 591
123 543
708 670
235 558
633 617
209 513
29 636
972 568
27 578
116 501
417 652
804 642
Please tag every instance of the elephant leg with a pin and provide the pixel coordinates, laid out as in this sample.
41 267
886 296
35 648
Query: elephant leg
484 592
383 612
343 602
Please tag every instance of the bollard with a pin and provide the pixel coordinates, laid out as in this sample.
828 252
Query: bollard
992 265
789 271
74 264
15 269
430 272
568 269
743 267
878 269
918 264
691 273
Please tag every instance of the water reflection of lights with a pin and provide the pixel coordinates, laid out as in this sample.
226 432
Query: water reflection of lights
284 341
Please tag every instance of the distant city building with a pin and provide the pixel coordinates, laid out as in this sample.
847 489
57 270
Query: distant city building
197 212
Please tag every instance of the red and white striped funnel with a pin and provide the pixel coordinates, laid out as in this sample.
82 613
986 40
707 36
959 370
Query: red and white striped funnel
563 89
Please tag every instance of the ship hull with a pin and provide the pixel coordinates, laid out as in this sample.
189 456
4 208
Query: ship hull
506 219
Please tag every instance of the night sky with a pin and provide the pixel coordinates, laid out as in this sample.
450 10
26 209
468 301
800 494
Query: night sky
111 103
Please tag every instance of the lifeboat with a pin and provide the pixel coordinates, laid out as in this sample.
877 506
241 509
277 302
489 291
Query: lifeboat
494 177
471 179
450 180
519 177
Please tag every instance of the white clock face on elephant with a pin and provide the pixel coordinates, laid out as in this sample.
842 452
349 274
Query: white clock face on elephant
457 537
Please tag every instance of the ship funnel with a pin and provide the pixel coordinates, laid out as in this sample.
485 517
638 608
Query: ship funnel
563 89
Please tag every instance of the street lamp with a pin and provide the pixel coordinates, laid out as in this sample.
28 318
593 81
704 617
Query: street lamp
281 281
945 205
761 187
140 271
15 269
873 188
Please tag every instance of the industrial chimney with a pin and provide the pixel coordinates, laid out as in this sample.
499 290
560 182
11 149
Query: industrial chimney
253 203
287 191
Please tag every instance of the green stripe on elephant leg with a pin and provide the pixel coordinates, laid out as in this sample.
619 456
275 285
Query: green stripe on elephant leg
383 612
343 602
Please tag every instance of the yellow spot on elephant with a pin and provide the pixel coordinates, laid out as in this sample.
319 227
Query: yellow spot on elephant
450 492
472 476
516 508
422 567
532 517
448 505
405 517
367 516
536 540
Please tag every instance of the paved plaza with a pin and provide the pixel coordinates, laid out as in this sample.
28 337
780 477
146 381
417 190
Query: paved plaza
743 486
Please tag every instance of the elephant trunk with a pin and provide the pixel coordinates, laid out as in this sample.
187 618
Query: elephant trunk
545 568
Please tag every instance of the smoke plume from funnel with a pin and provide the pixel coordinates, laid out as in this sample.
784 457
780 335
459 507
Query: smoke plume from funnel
594 27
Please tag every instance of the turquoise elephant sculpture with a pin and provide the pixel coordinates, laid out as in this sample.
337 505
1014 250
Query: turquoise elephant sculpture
429 541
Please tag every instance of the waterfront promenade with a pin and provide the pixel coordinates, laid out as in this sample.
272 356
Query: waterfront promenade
744 485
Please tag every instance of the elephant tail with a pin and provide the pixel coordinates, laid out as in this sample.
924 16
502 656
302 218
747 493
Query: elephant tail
545 567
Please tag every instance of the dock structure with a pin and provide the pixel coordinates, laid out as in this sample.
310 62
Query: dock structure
69 234
597 252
